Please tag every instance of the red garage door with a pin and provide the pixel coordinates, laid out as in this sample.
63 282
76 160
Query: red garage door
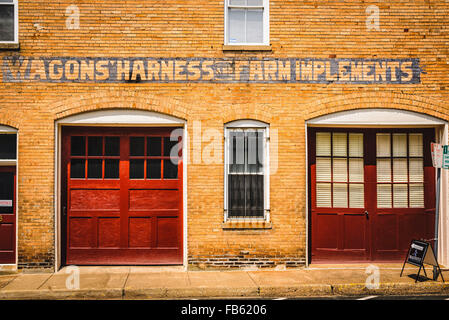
123 200
372 192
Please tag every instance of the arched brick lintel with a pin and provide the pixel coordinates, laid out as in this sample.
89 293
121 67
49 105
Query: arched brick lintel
329 105
117 100
247 112
10 119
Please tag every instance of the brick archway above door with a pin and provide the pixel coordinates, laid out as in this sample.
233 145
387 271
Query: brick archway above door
118 99
371 100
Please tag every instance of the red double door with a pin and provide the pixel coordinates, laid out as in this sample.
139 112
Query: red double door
372 192
122 196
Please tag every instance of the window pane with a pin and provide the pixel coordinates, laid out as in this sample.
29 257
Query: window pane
384 195
154 169
112 146
237 2
323 169
154 146
399 145
323 195
340 196
136 169
340 170
416 196
8 146
356 196
339 144
254 146
78 146
170 147
400 170
254 195
415 145
94 168
416 170
356 145
323 144
7 23
254 26
137 146
356 170
236 195
111 169
400 196
170 169
383 170
236 26
95 146
77 168
383 145
255 2
237 152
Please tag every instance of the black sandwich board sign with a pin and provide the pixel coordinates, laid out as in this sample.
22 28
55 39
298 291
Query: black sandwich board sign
421 253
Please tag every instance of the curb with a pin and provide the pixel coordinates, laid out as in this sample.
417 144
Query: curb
81 294
304 291
387 289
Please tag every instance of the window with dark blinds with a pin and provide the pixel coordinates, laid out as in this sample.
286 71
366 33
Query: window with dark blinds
246 173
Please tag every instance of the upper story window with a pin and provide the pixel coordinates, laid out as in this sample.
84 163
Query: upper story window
9 25
246 22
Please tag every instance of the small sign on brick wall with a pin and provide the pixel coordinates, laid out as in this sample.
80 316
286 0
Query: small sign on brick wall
440 155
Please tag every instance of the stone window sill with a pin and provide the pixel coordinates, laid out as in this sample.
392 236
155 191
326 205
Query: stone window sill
247 48
238 225
9 46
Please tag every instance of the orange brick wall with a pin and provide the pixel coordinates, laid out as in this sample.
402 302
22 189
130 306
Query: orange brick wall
173 28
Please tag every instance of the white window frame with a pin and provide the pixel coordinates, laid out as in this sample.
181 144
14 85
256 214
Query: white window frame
16 21
248 125
266 23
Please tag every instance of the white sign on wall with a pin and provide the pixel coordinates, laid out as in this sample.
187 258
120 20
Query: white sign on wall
437 155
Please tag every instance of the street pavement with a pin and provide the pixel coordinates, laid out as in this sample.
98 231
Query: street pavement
317 281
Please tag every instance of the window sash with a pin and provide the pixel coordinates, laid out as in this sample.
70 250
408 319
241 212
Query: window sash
16 20
264 7
340 176
400 170
246 191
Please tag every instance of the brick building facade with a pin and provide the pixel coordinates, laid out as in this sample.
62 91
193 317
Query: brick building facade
169 64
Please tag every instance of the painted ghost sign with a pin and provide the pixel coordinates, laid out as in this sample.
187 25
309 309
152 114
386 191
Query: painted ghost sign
211 70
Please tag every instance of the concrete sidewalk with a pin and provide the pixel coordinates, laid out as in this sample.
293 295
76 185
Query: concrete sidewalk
176 283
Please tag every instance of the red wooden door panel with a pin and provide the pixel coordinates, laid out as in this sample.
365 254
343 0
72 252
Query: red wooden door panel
340 228
7 215
394 228
369 230
124 200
